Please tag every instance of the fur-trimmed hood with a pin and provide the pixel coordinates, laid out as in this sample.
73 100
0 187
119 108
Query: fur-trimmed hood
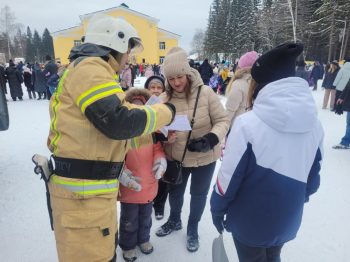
134 92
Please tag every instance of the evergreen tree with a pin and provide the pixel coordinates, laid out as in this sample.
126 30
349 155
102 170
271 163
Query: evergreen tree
37 47
210 43
232 30
47 44
221 27
327 24
245 38
30 50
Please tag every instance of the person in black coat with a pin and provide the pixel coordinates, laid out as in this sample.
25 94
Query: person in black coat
327 84
3 78
39 81
316 74
27 75
15 79
50 69
344 102
300 71
206 71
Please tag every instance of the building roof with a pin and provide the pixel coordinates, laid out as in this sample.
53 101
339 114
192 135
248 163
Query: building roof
123 7
66 31
168 33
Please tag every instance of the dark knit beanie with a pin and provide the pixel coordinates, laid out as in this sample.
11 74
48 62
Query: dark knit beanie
278 63
148 81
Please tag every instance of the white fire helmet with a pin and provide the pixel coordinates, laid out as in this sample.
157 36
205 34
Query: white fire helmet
114 33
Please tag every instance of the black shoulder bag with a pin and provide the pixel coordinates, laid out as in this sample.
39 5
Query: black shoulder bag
173 173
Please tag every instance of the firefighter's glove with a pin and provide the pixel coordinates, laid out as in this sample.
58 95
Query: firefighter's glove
130 181
172 109
42 166
159 167
203 144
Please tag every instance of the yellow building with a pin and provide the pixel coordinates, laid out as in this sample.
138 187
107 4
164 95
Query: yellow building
156 41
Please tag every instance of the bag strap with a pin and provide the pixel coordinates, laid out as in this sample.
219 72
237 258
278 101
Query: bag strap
192 123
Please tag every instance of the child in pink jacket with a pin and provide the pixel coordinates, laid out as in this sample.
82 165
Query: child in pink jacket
148 163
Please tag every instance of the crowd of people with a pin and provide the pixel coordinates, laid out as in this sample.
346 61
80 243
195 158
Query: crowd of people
39 79
107 146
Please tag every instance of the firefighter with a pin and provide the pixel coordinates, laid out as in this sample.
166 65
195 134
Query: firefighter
92 127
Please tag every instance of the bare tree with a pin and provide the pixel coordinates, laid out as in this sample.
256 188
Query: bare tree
7 19
197 43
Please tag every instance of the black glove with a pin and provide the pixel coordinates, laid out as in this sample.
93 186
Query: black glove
159 137
218 222
338 109
172 109
203 144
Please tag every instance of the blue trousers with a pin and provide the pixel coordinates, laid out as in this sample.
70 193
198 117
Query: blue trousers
200 183
257 254
135 225
346 139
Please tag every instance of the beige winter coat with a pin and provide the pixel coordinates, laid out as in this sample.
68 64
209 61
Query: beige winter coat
210 117
237 99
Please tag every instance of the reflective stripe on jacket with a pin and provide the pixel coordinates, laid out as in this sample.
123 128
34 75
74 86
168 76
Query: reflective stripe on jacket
73 135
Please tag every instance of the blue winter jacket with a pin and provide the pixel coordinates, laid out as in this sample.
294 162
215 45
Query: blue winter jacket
271 165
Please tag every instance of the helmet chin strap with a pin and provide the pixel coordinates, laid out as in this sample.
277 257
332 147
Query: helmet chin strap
114 62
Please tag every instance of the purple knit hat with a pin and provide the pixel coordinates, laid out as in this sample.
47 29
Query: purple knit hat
247 60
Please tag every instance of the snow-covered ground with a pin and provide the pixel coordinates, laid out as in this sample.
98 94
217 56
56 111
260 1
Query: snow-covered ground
24 224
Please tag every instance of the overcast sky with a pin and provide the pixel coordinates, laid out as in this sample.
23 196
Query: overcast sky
182 17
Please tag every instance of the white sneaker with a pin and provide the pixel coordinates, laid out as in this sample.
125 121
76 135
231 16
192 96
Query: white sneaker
340 146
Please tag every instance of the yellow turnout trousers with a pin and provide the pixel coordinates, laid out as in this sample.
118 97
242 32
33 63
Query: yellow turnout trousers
85 221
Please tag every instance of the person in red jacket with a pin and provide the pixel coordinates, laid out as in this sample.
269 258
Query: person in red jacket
148 164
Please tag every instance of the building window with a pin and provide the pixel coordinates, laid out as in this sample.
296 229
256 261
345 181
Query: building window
161 59
77 42
162 45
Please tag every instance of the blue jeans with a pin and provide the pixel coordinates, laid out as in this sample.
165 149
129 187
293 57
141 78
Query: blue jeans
200 183
345 141
257 254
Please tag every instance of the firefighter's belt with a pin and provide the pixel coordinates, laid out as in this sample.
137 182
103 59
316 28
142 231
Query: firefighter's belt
87 169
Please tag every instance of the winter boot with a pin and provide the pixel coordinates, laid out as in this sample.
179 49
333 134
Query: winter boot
44 95
168 227
30 95
34 95
130 255
192 238
20 98
146 248
159 215
39 96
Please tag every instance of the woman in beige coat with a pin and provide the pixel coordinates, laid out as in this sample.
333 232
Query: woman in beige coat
237 91
210 126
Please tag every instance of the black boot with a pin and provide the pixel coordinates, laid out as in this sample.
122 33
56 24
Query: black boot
44 95
39 96
34 95
192 238
14 98
169 227
20 98
30 95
